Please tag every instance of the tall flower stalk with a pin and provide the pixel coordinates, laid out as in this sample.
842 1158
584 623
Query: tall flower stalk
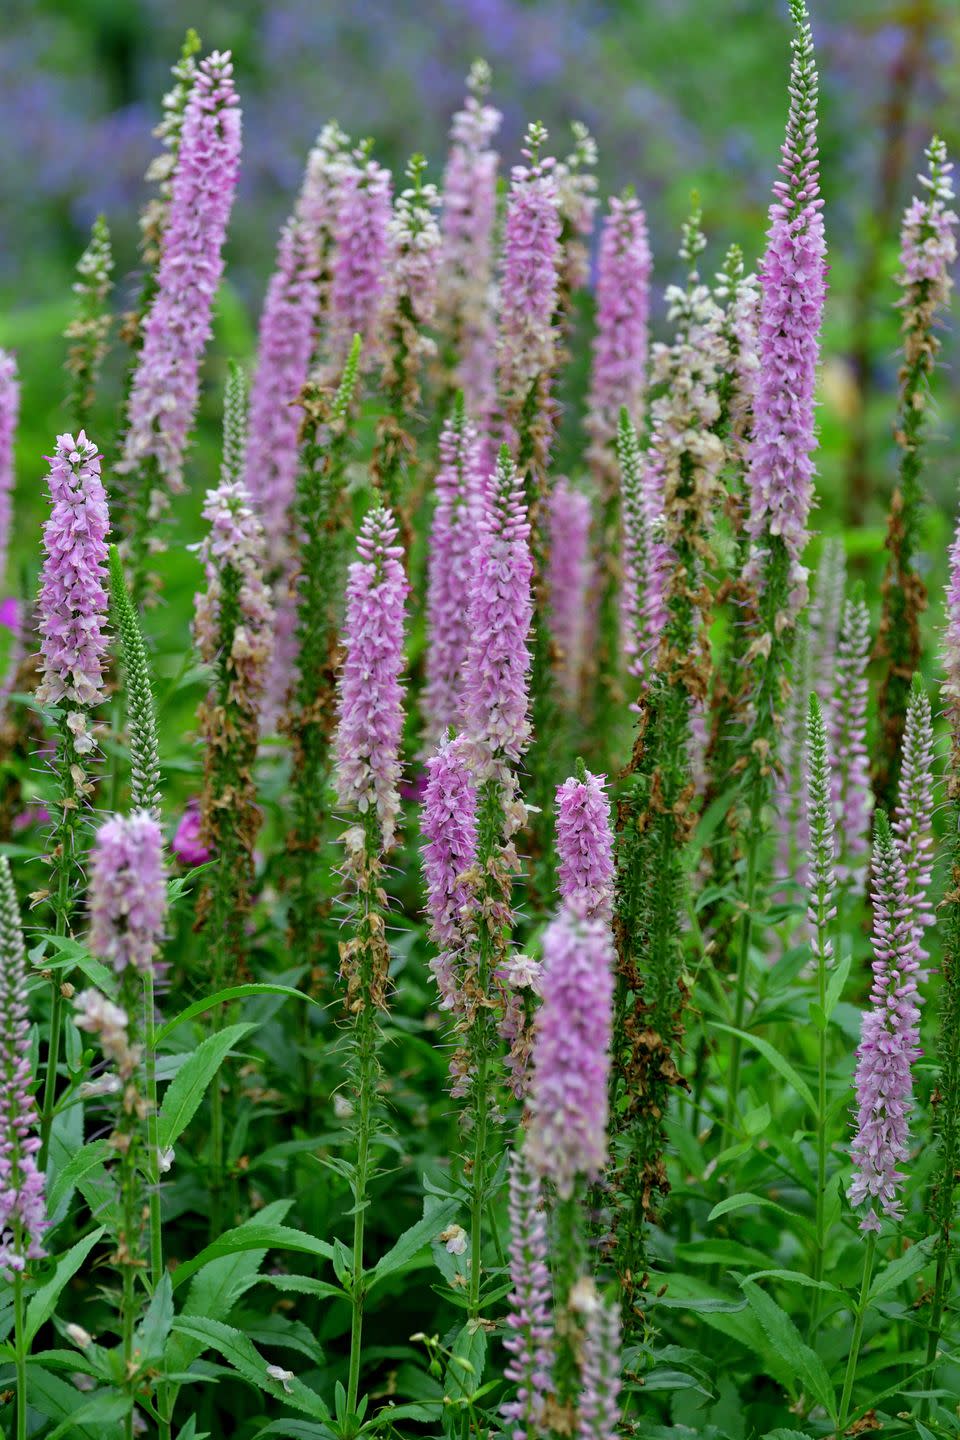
73 644
88 332
780 477
22 1207
657 805
310 715
569 587
9 416
641 605
848 738
928 247
466 296
165 390
361 256
142 716
370 724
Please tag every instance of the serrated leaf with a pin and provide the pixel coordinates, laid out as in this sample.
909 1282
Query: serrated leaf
795 1277
903 1268
243 1357
786 1340
44 1302
417 1238
151 1335
79 1165
189 1085
740 1202
253 1236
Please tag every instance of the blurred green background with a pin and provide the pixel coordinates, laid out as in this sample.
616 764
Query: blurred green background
680 94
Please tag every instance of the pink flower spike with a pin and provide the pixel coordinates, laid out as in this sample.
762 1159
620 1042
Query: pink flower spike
128 892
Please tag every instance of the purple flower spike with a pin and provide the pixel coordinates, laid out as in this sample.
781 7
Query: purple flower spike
529 1323
530 283
283 361
793 290
585 844
620 345
9 414
453 534
22 1210
567 1137
235 543
913 817
569 576
951 637
449 823
361 258
186 843
166 387
73 597
598 1409
888 1041
501 611
370 702
128 892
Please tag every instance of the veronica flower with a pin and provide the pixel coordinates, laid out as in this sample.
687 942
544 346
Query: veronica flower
567 1103
128 891
22 1208
913 817
793 289
529 1337
9 415
889 1042
585 844
848 735
598 1407
569 575
620 345
460 486
370 698
643 613
449 823
361 257
466 297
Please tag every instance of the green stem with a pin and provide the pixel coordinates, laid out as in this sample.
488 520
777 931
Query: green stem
859 1316
743 957
20 1348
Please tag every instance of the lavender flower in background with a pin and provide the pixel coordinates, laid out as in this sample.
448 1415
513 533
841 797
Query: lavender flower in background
889 1042
449 823
460 486
166 386
370 691
316 208
913 817
576 188
643 610
361 258
186 843
853 798
22 1206
569 576
598 1407
155 215
951 637
529 1323
793 289
567 1103
585 844
415 240
501 611
529 293
284 349
620 345
826 610
467 300
128 891
233 561
9 415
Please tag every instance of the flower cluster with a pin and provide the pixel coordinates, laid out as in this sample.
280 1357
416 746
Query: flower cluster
233 561
585 844
283 360
501 612
928 248
96 1015
316 207
620 345
128 892
22 1208
460 487
889 1041
361 257
848 735
529 1324
370 691
913 817
793 290
466 271
642 606
9 415
577 196
569 576
166 386
73 596
450 829
567 1136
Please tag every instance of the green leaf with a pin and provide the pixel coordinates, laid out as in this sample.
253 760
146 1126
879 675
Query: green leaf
103 1407
236 992
795 1277
740 1202
155 1327
838 979
253 1236
247 1361
189 1085
44 1302
788 1344
90 1157
903 1268
467 1359
773 1057
58 1400
304 1285
417 1238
